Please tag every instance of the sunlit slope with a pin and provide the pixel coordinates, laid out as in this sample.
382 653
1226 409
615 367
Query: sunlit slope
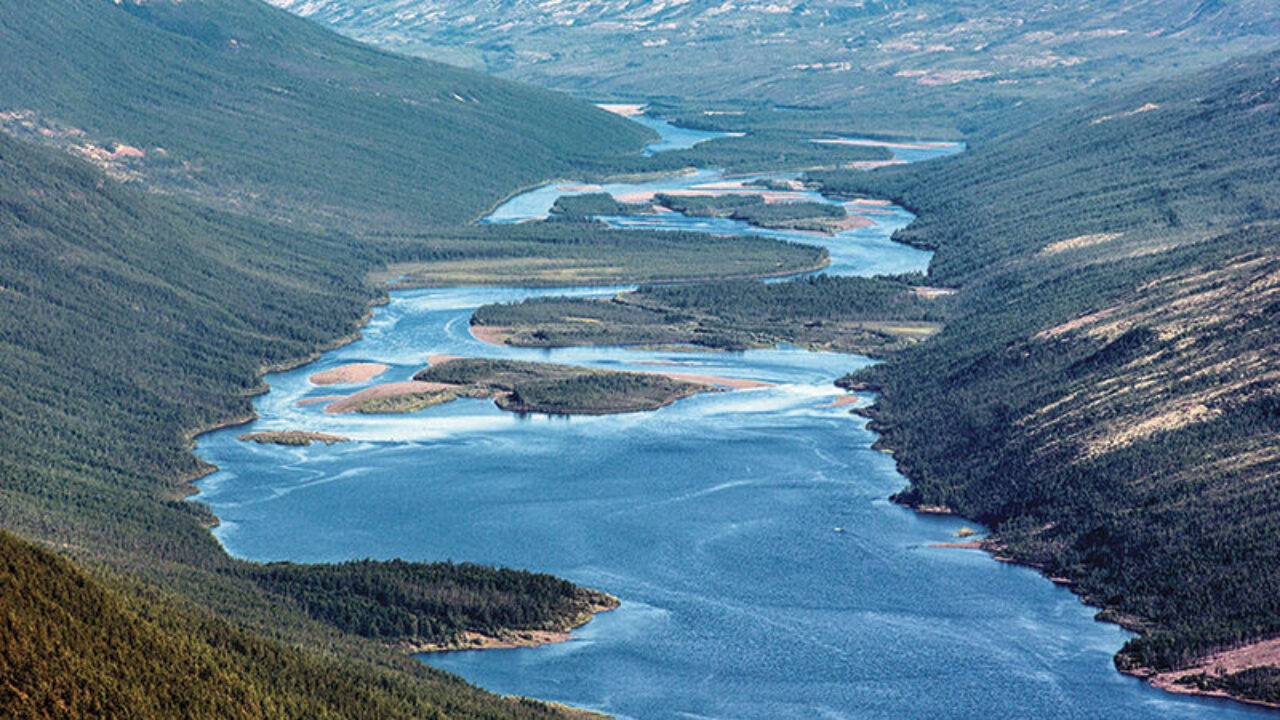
249 107
74 647
1105 395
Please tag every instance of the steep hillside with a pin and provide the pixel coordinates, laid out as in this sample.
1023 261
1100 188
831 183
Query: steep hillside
245 106
71 646
913 66
1105 394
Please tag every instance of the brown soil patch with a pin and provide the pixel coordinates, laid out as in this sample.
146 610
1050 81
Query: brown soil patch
353 373
409 387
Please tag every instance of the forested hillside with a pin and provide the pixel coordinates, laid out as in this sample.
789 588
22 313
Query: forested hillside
1105 395
242 105
73 646
129 322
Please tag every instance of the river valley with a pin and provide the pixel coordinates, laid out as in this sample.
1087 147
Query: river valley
762 570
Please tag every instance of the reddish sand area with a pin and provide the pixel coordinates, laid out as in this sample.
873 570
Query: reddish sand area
736 383
322 398
1265 653
851 222
442 359
492 334
355 372
351 402
841 401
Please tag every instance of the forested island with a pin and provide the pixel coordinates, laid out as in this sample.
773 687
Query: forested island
520 386
871 316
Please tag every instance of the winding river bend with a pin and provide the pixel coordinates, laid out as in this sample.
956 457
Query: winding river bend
762 571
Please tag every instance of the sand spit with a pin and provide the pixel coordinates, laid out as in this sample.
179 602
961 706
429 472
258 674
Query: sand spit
353 373
322 398
387 390
735 383
442 359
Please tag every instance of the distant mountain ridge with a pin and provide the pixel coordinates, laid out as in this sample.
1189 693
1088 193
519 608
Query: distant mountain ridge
866 56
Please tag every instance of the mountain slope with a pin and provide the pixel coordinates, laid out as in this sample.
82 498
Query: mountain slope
904 66
1105 396
240 104
73 646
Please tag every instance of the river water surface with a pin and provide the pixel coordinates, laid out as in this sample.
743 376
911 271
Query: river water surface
762 571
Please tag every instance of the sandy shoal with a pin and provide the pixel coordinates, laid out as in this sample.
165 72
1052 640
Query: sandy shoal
352 373
386 390
736 383
841 401
442 359
322 398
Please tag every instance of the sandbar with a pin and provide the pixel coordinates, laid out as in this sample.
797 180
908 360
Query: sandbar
352 373
322 398
736 383
841 401
350 403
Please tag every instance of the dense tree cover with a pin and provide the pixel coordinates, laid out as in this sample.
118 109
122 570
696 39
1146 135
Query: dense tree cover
558 254
582 207
126 322
522 386
854 314
1104 393
73 646
243 105
419 603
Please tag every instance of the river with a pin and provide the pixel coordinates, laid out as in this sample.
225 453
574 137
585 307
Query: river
762 570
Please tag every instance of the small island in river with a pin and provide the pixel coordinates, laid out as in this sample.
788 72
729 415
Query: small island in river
292 438
521 386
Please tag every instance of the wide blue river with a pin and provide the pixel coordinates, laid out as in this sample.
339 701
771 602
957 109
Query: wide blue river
762 571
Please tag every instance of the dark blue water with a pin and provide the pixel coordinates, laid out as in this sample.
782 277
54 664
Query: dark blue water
715 520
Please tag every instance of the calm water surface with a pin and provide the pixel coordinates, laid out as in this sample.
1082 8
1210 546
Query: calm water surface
762 572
